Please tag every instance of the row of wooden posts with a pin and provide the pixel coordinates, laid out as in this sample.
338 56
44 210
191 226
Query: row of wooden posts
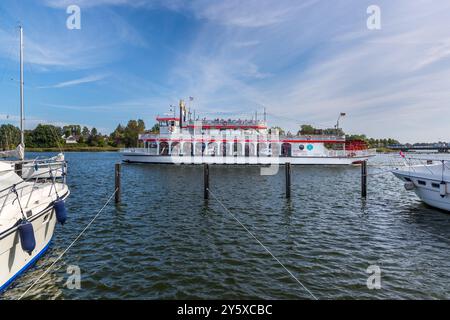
206 181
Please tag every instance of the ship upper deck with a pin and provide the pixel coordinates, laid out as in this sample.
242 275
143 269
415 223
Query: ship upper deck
228 137
227 124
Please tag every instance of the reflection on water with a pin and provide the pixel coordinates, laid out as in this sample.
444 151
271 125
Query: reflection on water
165 242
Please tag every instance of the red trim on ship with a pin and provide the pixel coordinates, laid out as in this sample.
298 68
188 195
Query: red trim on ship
167 119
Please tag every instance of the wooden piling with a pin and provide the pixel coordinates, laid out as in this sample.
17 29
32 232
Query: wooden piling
206 181
364 179
288 180
117 182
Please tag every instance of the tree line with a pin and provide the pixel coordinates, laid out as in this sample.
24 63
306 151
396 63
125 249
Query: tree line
50 136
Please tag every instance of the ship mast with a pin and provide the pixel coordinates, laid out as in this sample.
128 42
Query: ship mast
22 138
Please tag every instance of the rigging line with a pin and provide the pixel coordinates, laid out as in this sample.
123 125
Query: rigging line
262 245
67 249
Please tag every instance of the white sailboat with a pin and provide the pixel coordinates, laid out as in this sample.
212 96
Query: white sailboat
429 180
29 209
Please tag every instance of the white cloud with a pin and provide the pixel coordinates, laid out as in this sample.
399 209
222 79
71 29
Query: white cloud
70 83
322 60
306 61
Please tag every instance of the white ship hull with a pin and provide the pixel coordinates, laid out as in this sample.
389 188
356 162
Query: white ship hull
137 157
426 182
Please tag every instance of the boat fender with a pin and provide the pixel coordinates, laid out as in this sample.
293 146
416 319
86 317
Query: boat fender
409 186
443 189
60 210
36 168
26 234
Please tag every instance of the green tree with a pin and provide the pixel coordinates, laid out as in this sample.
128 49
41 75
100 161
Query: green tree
85 133
44 136
132 131
307 129
272 130
72 130
9 137
155 128
117 136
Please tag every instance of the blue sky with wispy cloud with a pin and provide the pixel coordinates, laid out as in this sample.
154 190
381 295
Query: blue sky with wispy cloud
305 61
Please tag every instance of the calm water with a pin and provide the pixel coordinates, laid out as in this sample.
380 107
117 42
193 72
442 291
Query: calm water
165 242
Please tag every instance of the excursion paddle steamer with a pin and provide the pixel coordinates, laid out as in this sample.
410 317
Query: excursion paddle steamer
185 140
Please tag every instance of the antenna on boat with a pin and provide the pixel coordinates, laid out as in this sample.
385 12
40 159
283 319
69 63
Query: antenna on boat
182 109
22 137
264 114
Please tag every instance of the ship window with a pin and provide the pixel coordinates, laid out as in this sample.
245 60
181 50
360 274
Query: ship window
301 147
423 183
435 185
407 179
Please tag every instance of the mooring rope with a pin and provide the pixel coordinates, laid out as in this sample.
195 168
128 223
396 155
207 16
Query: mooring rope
67 249
262 245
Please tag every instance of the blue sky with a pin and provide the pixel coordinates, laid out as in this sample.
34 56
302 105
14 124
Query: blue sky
305 61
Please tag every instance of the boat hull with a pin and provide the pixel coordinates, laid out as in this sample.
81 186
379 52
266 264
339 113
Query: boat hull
13 259
134 157
427 193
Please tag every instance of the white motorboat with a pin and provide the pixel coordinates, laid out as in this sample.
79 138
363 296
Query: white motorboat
430 181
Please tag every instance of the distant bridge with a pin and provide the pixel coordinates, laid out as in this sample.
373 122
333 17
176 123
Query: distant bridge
439 147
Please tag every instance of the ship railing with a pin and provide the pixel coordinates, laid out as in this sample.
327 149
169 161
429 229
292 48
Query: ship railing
435 165
323 138
229 122
26 187
351 153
